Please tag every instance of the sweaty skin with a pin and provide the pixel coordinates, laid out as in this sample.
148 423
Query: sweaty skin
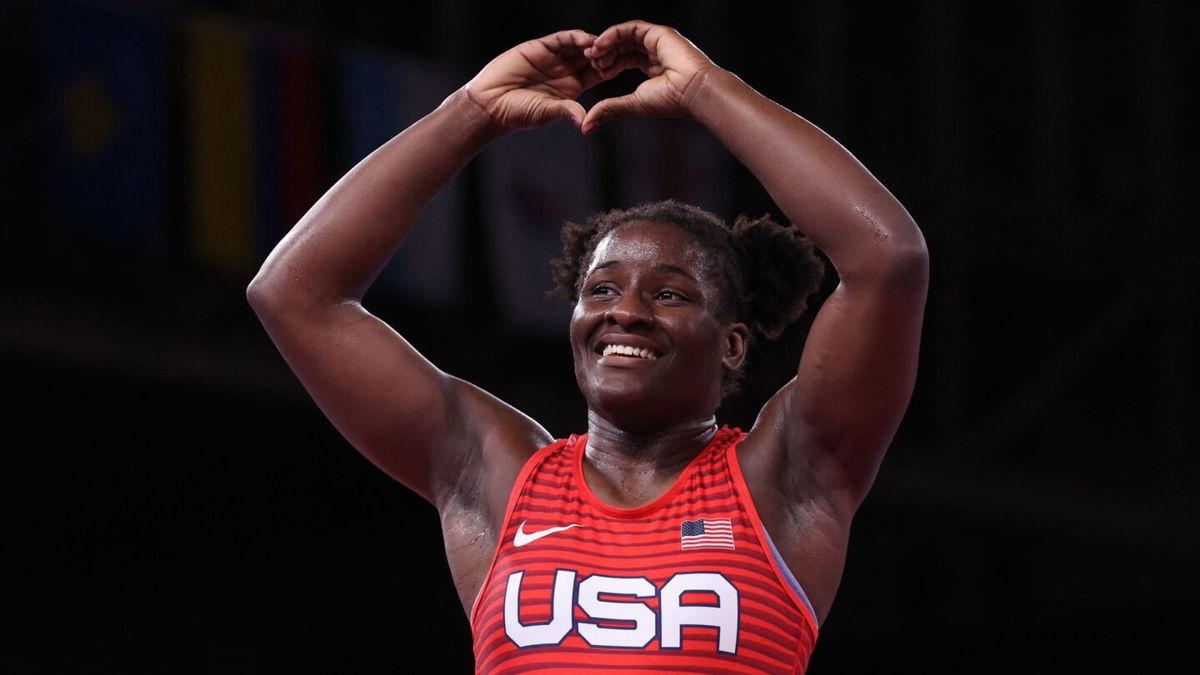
814 450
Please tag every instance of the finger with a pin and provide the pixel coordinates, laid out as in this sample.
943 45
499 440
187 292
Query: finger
573 112
567 43
603 58
609 58
612 67
610 108
579 62
588 76
552 66
629 35
560 54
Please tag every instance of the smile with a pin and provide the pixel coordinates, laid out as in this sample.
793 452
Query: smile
624 350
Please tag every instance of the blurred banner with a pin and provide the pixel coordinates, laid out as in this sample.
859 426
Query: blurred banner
220 119
533 182
253 126
287 125
381 94
669 159
104 146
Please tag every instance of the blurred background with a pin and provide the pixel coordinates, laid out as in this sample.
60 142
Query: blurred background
176 503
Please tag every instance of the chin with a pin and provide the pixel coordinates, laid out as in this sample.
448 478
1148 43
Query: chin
640 409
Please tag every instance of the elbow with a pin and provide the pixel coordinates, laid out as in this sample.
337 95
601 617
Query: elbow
274 294
890 262
908 264
900 256
257 295
263 293
260 298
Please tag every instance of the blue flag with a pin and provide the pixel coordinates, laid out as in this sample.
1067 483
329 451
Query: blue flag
105 135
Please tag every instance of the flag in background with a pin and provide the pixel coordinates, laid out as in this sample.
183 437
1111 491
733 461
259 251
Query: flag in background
253 138
533 181
381 94
286 132
105 141
220 122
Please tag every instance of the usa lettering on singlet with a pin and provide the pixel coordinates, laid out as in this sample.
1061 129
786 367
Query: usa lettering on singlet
688 582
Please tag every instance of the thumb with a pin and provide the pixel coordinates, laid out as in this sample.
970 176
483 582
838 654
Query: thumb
573 111
610 108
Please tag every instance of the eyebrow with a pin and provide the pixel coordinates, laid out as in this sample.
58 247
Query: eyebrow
670 269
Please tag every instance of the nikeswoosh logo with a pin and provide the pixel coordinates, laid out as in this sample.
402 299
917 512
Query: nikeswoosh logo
522 537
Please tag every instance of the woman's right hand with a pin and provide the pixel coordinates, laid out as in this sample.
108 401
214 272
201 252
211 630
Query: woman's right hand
536 82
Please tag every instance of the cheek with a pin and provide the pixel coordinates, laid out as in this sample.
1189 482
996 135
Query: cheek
575 327
580 327
705 330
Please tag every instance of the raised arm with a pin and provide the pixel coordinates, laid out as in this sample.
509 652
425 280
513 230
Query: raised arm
856 375
412 420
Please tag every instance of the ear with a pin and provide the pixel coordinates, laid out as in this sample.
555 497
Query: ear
737 340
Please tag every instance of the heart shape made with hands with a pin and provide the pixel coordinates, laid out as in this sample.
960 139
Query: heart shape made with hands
670 62
540 80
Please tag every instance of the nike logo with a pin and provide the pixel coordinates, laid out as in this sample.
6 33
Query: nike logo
522 537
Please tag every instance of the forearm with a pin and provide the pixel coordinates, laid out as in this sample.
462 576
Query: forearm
339 247
819 186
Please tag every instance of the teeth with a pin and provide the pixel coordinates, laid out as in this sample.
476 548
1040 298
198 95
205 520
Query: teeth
624 350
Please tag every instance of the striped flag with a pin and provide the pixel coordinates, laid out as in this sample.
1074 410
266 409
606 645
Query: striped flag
254 137
706 533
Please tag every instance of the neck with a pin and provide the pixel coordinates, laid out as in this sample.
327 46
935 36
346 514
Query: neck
662 450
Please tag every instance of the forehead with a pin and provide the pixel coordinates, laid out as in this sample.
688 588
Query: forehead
650 243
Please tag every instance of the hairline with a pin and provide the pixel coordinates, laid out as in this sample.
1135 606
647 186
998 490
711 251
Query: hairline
727 305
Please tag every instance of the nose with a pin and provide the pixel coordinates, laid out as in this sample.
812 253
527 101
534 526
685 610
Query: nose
629 311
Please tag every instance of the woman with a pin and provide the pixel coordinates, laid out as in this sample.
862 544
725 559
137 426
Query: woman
656 540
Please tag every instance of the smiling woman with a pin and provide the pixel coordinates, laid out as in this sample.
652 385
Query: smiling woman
658 540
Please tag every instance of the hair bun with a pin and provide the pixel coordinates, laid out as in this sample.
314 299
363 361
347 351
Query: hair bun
781 270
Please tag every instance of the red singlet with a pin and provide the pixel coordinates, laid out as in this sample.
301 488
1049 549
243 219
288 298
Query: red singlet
689 583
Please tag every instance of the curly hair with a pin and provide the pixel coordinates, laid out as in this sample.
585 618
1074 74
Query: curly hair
767 272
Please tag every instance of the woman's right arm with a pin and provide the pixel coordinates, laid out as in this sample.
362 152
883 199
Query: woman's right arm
415 422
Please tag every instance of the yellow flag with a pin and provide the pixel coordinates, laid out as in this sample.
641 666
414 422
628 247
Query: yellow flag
219 119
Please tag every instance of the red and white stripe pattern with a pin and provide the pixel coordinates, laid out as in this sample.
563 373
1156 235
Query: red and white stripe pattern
775 631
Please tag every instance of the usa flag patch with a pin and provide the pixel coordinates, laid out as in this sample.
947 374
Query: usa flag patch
706 533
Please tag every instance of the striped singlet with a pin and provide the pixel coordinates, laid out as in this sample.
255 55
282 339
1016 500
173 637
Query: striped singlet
689 583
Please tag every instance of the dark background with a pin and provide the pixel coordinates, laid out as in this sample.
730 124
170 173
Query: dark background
176 503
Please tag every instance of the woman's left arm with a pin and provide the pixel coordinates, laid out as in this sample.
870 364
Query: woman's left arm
859 364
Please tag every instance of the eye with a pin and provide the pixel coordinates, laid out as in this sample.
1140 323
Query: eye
670 296
602 289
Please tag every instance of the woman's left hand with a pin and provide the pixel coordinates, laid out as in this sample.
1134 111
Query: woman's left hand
670 60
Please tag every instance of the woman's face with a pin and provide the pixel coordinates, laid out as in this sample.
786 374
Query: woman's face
649 349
